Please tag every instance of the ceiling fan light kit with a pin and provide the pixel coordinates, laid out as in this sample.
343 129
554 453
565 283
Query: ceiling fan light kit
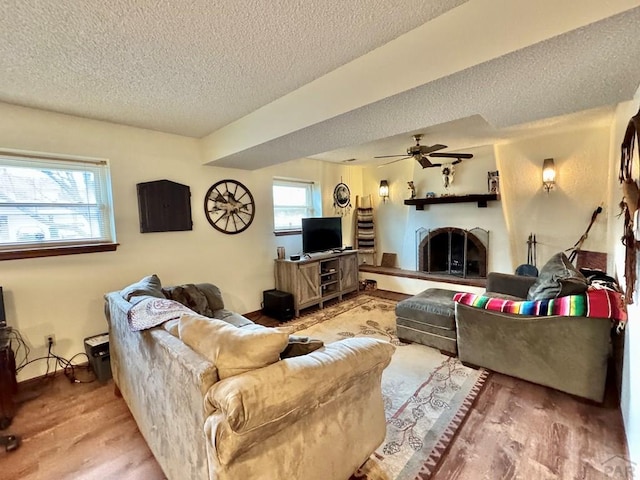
421 154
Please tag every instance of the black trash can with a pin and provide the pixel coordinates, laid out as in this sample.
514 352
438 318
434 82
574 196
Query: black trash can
97 349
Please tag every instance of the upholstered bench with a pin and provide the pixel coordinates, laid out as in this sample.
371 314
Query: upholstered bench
428 318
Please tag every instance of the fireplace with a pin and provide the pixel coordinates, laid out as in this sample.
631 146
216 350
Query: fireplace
453 251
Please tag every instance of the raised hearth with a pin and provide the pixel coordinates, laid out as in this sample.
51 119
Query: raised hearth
399 272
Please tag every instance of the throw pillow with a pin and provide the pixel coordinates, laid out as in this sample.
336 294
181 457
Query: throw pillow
213 294
558 278
148 286
232 350
190 296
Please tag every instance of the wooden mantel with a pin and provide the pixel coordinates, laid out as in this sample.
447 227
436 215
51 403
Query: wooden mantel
480 198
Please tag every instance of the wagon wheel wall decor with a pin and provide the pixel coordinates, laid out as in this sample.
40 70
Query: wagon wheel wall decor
229 206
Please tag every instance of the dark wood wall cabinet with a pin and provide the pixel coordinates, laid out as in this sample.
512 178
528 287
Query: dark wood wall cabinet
164 206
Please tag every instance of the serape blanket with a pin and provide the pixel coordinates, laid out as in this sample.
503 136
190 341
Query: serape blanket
365 233
598 303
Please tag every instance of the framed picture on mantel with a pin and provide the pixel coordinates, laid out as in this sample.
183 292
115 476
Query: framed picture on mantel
493 182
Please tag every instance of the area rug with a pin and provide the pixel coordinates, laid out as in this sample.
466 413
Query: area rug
426 394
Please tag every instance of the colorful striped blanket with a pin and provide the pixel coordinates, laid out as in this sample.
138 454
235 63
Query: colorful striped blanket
598 303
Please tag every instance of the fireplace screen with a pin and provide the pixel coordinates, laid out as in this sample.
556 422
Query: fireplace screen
453 251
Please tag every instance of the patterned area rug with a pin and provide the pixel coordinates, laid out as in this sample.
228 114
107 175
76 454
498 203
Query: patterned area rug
426 394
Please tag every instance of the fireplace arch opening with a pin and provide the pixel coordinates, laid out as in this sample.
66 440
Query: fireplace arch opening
454 251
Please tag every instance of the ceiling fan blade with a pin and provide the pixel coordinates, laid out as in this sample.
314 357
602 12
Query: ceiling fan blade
389 156
426 149
392 161
424 162
451 155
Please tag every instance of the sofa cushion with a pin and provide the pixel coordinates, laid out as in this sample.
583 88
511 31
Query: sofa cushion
503 296
557 278
190 296
232 350
149 286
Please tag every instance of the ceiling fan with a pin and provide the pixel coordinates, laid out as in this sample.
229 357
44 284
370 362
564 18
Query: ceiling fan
422 153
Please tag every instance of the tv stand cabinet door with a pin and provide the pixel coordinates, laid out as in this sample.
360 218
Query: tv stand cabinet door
349 273
302 280
308 284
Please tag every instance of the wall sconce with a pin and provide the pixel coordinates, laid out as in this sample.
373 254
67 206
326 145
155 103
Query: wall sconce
384 190
548 174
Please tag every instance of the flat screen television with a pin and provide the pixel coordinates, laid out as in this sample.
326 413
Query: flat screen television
321 233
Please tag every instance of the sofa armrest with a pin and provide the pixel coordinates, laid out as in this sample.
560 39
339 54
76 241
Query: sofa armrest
288 389
516 285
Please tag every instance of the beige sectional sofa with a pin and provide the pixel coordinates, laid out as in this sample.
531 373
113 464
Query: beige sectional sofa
315 416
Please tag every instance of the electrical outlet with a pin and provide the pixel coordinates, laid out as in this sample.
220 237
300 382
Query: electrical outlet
49 340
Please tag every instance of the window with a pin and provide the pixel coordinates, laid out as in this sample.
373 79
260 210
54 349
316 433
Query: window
54 206
293 200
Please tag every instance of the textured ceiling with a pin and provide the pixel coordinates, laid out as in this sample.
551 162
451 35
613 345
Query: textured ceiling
185 67
591 67
209 69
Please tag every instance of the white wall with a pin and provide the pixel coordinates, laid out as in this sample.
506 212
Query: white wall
559 218
629 403
64 295
327 176
397 223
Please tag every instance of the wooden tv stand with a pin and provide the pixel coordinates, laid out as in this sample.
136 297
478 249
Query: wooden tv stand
319 278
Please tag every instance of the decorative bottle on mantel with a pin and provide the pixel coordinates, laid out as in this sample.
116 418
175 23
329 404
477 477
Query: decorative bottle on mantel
412 189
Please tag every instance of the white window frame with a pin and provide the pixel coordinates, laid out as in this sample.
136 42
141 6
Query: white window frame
99 204
309 209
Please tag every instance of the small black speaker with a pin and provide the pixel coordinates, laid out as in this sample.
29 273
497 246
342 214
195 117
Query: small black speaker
3 318
277 304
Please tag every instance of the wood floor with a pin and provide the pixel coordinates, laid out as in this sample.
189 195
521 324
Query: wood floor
515 430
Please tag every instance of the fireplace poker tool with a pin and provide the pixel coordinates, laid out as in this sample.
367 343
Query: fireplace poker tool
529 269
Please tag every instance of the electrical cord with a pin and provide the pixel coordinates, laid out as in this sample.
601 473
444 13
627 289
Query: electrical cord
67 365
21 349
